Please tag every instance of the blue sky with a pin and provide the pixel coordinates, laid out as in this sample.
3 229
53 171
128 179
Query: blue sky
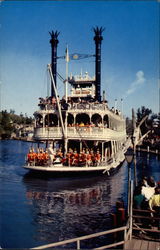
130 49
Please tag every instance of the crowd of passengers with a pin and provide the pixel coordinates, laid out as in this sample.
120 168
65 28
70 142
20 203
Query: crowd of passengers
88 125
77 125
147 197
52 102
41 157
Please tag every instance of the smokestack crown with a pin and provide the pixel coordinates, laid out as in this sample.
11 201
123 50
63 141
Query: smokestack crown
54 37
98 34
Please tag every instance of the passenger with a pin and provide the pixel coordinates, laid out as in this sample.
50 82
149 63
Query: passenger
46 156
80 158
81 124
138 198
69 157
59 153
151 182
144 182
98 157
88 157
84 156
148 192
75 158
93 159
154 204
43 156
34 155
51 153
40 156
29 156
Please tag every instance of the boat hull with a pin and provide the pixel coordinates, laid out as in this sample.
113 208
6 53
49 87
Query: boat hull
102 168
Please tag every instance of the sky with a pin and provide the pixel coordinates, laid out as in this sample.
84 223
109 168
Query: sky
130 50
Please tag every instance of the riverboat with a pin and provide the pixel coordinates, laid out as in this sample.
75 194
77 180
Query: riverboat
82 134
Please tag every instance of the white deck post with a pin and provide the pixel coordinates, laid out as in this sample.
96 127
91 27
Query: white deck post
78 244
80 146
102 151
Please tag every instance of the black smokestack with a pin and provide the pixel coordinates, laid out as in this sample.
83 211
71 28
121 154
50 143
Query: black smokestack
98 39
54 42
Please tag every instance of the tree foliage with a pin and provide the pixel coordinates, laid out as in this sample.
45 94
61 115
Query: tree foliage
142 112
9 121
148 124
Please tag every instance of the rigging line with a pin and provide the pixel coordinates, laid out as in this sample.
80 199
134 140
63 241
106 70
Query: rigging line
76 56
44 82
60 77
77 62
82 138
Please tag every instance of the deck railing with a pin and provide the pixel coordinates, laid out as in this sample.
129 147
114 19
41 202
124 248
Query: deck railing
78 132
78 240
146 221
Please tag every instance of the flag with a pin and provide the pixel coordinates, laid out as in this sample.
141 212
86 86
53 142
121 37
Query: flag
67 55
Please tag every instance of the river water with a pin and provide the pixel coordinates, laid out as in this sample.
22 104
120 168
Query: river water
41 210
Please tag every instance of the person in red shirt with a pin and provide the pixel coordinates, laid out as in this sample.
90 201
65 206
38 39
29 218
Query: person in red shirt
75 158
88 157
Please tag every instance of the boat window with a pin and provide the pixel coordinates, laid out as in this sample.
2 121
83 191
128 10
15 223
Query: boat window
70 119
83 118
51 120
96 119
39 120
106 121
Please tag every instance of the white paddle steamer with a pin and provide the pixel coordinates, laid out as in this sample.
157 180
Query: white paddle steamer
82 134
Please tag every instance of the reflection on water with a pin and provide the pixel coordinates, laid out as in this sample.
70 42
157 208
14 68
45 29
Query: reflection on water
72 207
40 210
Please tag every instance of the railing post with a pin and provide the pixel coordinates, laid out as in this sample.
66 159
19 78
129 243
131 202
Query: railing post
129 187
131 210
78 244
125 234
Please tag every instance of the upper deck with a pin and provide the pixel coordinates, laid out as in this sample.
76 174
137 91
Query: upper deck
79 133
82 86
85 120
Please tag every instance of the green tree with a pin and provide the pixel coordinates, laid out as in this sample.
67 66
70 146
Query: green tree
142 112
8 122
129 128
6 127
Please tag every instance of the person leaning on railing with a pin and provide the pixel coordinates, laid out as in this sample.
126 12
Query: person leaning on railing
154 204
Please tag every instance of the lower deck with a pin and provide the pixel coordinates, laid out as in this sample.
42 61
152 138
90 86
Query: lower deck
141 244
102 167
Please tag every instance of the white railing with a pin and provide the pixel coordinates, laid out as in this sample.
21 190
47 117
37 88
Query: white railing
78 133
87 106
78 240
127 229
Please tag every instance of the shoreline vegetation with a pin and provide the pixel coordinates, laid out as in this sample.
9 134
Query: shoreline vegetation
13 125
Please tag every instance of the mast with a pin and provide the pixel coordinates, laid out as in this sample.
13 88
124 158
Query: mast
98 39
54 42
66 81
56 96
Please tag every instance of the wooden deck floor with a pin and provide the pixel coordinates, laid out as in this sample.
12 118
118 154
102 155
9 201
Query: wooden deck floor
140 244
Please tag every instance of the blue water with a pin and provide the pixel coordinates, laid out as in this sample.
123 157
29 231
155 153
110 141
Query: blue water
40 210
